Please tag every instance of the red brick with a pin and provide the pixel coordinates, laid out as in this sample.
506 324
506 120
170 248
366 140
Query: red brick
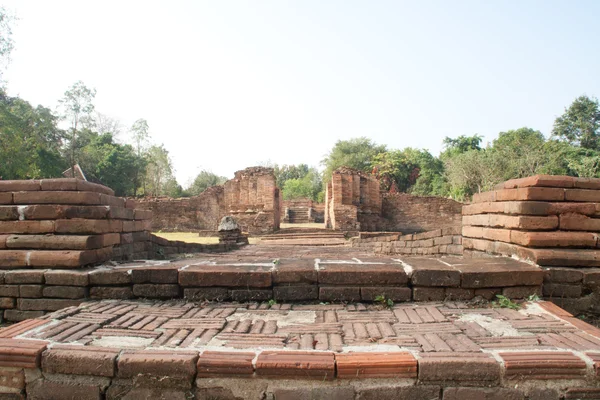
473 367
90 226
484 197
339 293
157 364
154 291
30 227
130 203
298 364
207 293
563 275
7 303
111 292
565 257
229 276
67 278
376 365
219 363
84 389
453 294
582 195
531 193
45 304
112 201
543 365
9 290
31 291
60 242
6 198
582 393
13 259
554 239
52 211
19 185
587 183
83 198
120 213
24 277
540 181
577 208
295 271
576 222
3 241
561 290
60 184
462 393
246 295
502 235
512 221
357 274
155 275
80 360
21 353
296 292
142 214
428 293
504 272
118 276
85 186
430 273
62 258
65 292
396 392
9 213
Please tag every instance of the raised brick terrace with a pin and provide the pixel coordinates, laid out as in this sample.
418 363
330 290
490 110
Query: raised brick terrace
452 350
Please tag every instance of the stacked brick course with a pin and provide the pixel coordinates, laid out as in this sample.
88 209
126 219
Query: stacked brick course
353 201
447 241
552 221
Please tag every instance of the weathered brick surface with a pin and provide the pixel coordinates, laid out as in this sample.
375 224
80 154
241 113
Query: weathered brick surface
78 360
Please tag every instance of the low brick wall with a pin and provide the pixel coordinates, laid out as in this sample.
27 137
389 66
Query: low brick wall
407 213
447 241
553 221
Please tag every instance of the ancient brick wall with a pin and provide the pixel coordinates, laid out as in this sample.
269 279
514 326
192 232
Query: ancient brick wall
446 241
252 199
552 221
407 213
353 201
196 213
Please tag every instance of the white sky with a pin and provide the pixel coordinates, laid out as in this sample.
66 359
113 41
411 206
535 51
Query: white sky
230 84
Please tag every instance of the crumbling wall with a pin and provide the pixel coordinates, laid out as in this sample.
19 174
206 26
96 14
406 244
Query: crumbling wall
201 212
552 221
252 199
407 213
353 201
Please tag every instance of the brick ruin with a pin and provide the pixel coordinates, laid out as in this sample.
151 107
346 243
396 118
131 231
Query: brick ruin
251 197
302 211
109 336
352 201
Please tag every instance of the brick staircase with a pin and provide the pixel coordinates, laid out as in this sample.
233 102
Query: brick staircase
305 237
299 215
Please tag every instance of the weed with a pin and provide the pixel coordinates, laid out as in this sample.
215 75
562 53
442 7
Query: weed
505 302
272 302
276 261
533 298
381 299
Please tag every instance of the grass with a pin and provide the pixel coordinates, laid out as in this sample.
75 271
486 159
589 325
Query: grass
192 237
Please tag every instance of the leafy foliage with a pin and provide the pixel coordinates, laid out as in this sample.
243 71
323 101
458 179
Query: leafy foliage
357 153
204 180
580 124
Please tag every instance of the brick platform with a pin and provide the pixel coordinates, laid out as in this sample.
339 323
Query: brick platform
435 350
314 274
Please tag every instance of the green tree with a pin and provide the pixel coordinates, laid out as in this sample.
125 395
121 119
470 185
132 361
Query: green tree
159 173
580 123
106 162
285 172
357 153
203 181
77 108
30 140
140 134
309 186
461 144
410 170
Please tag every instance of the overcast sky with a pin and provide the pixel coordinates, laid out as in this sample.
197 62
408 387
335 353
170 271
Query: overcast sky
230 84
